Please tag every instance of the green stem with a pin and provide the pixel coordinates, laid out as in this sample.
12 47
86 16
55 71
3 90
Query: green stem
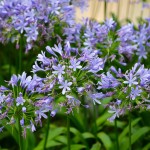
47 131
10 64
130 147
68 131
20 56
105 10
95 116
20 135
117 142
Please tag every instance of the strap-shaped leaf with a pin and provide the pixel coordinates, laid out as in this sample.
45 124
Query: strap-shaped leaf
96 146
105 139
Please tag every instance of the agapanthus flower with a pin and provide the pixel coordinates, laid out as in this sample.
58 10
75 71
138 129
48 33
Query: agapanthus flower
68 72
17 102
65 86
133 89
135 92
75 64
25 18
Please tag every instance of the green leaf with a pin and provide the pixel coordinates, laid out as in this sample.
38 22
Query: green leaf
78 135
29 142
103 118
126 130
139 133
87 135
62 139
96 146
50 143
53 134
105 139
147 147
75 147
125 141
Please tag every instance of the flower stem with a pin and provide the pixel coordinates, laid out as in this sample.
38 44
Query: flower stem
20 56
94 117
68 131
20 135
117 142
130 148
105 10
47 131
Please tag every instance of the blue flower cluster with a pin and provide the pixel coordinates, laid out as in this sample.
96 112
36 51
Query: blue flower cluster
34 20
130 90
88 59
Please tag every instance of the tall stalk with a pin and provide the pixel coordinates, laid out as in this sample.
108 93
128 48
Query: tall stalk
117 142
10 64
68 132
130 146
105 10
20 57
20 135
47 131
95 116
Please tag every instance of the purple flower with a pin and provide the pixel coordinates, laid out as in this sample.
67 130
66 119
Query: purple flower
2 98
59 70
50 51
95 97
135 92
13 81
32 126
22 122
20 23
36 68
96 65
141 52
58 49
24 109
42 58
1 129
41 113
20 100
107 81
130 79
75 64
24 80
110 23
53 113
116 112
65 86
118 73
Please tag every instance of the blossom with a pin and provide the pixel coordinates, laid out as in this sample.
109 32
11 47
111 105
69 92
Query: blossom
22 122
42 58
13 81
59 70
107 81
75 64
130 79
32 126
96 96
135 92
65 86
20 100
